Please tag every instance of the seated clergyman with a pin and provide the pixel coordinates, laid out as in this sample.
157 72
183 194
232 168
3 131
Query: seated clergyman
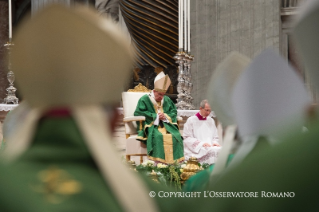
201 136
160 131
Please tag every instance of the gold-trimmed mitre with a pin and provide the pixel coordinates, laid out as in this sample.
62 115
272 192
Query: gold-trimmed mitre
162 82
70 56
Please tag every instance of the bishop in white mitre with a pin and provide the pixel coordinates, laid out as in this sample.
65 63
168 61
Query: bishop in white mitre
201 136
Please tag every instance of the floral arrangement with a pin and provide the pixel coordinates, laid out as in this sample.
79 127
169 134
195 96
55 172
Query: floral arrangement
168 174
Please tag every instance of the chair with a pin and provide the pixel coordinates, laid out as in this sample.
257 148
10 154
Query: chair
130 100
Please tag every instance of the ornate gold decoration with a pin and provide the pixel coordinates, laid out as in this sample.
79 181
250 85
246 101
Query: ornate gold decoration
139 88
190 169
57 184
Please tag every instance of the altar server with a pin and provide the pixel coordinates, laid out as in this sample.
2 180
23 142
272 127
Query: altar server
201 136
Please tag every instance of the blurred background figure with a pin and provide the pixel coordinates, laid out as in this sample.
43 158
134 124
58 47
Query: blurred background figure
282 175
269 100
219 94
201 136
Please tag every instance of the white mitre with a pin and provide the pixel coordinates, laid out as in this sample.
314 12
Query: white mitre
269 98
306 33
221 86
162 82
73 58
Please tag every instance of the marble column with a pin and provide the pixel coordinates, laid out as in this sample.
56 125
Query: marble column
4 30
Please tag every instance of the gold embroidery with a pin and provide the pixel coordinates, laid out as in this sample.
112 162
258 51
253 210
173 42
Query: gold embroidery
57 184
149 125
168 148
160 90
141 125
162 130
168 145
162 160
168 118
141 138
165 82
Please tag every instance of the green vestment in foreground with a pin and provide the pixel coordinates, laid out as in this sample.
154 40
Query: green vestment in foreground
60 174
200 180
160 146
284 176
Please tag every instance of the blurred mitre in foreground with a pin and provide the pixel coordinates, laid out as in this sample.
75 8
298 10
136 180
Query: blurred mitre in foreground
306 34
221 86
70 57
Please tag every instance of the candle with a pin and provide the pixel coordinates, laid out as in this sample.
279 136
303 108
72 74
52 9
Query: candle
180 45
185 32
181 23
188 27
10 21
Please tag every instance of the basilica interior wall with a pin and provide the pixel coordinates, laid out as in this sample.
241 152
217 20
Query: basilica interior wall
219 27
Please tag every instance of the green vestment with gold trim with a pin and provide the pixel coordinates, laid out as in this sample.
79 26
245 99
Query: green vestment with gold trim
58 173
159 146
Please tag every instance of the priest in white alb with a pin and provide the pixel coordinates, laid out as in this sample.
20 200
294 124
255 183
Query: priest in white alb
201 136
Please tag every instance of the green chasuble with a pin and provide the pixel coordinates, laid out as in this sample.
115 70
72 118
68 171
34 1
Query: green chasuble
59 169
15 193
57 173
284 177
164 144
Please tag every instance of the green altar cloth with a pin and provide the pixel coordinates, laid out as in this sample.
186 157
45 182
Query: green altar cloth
159 148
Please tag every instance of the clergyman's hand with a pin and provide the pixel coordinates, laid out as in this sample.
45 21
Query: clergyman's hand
206 145
161 116
216 144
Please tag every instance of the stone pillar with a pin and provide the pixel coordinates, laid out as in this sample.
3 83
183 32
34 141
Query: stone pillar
4 37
